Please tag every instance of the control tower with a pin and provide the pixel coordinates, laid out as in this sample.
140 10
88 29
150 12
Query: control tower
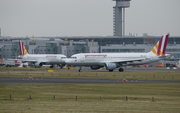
119 16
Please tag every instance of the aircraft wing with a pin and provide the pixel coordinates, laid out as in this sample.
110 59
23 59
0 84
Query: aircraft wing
13 59
121 61
40 61
34 61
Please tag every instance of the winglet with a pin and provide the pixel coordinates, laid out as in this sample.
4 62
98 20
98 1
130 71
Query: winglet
160 48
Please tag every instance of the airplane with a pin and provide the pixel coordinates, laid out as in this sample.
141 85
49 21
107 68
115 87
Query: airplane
178 64
41 59
112 61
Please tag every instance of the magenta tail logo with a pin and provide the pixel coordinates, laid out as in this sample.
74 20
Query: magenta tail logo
22 48
160 47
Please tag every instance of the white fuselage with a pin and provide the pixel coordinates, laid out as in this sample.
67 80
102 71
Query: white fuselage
44 58
99 59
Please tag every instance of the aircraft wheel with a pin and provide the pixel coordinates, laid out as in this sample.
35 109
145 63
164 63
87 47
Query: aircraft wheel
80 70
121 69
110 70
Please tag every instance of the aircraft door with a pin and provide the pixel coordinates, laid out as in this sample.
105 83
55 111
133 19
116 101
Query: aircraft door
82 58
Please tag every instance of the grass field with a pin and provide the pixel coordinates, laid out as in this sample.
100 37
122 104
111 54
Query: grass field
166 98
90 98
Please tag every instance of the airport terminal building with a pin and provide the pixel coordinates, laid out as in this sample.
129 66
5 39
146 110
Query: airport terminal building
9 46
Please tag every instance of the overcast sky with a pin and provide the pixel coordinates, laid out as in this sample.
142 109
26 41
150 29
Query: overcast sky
86 17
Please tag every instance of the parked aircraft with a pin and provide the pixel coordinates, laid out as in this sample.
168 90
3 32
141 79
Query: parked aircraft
41 59
112 61
178 64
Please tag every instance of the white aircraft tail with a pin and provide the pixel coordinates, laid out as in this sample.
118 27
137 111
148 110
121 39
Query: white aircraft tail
160 48
22 49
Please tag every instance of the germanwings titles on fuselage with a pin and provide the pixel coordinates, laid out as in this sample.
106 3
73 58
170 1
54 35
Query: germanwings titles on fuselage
114 60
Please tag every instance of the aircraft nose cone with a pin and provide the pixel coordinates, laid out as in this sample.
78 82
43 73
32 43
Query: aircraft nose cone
68 60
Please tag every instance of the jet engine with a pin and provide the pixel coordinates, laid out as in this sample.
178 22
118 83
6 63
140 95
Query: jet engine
111 66
38 64
96 67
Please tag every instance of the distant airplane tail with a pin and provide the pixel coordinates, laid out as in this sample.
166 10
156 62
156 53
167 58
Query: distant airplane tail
22 49
160 48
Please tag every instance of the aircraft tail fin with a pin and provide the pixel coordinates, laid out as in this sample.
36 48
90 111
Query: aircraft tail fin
160 48
23 50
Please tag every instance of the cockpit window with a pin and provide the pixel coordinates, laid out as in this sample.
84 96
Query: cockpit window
73 57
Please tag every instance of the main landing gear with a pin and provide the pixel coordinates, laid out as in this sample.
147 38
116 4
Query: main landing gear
80 69
121 69
52 66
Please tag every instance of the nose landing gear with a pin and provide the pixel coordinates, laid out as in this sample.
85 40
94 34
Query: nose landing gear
80 69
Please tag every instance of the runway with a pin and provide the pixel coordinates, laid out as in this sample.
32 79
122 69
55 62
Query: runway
75 69
132 70
48 81
86 69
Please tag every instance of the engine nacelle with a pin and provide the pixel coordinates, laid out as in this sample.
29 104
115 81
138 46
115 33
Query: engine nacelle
96 67
38 64
111 66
